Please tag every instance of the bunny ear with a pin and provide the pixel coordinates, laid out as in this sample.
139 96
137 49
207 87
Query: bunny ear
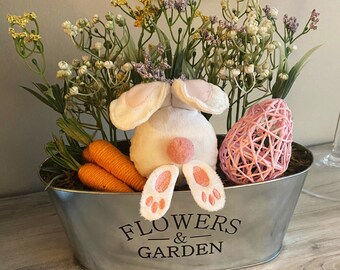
201 95
137 105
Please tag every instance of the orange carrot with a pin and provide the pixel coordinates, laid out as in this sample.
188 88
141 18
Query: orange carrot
112 160
97 178
86 155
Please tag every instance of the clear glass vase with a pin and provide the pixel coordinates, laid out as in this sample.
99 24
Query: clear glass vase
324 180
333 158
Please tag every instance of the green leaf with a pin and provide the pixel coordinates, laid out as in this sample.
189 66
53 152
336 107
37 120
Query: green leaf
75 130
188 70
130 49
58 95
60 154
281 88
46 91
43 88
52 97
49 93
57 177
38 96
178 63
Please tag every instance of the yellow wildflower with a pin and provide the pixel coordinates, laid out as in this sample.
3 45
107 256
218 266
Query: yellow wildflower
32 37
148 13
196 36
204 18
145 2
120 76
224 36
20 20
11 31
118 3
139 22
197 14
224 4
17 35
151 47
30 15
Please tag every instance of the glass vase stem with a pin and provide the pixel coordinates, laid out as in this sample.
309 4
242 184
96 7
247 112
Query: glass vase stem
333 159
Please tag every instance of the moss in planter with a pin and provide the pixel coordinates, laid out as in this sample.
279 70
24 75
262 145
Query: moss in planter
57 177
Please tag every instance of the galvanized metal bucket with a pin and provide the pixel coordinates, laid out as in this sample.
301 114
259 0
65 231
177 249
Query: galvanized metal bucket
106 230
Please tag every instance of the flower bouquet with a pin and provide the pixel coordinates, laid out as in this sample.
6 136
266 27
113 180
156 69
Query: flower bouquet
164 83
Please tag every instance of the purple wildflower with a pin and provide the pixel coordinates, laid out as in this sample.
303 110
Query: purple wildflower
206 35
164 64
153 71
314 17
168 4
181 5
227 25
183 77
210 39
160 49
141 69
213 19
290 23
266 10
270 12
147 60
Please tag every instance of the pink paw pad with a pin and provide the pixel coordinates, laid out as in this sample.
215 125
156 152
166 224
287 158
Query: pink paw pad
154 207
205 185
157 192
204 197
217 194
163 181
211 200
149 201
212 197
201 176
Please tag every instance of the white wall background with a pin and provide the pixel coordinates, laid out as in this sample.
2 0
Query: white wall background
26 124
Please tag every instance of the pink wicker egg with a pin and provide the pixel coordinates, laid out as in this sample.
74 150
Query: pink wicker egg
258 147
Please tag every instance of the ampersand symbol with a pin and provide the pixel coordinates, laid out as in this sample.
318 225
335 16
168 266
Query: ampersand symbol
180 239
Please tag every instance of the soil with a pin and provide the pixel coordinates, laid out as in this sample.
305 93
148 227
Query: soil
301 159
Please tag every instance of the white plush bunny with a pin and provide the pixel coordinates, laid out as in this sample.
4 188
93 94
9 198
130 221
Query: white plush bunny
173 141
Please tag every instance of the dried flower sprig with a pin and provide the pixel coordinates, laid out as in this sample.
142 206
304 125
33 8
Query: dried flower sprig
25 32
247 55
242 50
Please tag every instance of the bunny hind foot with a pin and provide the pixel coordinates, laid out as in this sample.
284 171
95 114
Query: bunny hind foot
158 191
205 185
202 179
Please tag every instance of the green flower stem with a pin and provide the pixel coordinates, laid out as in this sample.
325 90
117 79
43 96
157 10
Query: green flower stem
126 136
39 70
97 116
142 45
238 48
306 29
115 139
230 109
237 116
170 26
277 31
